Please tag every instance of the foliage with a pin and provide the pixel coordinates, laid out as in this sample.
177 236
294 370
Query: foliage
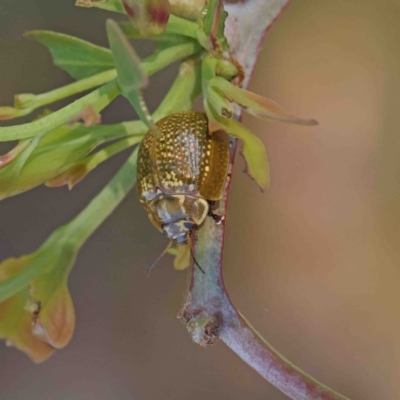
62 147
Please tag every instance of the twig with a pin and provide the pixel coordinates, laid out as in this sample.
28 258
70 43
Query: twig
207 311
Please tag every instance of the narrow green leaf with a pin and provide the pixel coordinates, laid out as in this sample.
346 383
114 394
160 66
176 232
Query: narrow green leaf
255 104
131 75
253 148
80 170
10 173
213 24
59 150
78 57
16 327
219 103
14 153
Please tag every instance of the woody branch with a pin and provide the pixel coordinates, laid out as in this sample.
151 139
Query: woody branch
207 310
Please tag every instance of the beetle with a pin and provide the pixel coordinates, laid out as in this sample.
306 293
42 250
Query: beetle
182 173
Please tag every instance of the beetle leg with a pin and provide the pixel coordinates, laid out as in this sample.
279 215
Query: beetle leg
217 218
191 238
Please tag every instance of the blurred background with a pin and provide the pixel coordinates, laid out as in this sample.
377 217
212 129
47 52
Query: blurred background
313 263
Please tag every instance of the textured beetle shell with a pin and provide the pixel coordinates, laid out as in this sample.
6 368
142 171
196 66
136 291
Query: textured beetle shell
187 159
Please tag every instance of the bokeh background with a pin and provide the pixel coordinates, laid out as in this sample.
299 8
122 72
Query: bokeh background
313 262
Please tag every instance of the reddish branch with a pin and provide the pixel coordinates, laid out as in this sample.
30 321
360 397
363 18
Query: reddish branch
208 312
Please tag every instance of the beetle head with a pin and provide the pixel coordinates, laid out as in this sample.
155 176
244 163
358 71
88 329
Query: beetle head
177 215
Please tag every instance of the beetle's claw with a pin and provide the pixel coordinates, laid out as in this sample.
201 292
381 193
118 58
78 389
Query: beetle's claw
217 218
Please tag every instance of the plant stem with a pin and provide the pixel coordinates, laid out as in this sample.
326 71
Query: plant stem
184 91
226 69
162 59
181 26
31 102
272 366
93 215
207 311
44 125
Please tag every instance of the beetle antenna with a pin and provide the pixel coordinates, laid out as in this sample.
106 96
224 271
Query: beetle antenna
192 253
150 267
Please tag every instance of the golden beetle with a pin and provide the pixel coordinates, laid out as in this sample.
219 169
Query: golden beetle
181 173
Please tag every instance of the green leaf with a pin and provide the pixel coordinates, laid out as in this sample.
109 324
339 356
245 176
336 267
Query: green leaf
10 173
213 24
78 57
253 148
59 150
78 171
100 98
16 328
131 75
14 153
255 104
219 103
